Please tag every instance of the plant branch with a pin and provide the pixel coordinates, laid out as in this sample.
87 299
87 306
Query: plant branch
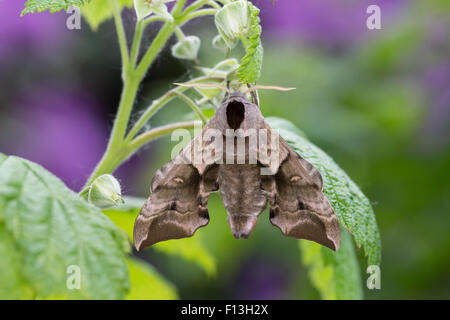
191 104
196 14
153 19
140 25
179 33
119 129
159 103
200 3
178 7
122 145
120 34
147 136
154 49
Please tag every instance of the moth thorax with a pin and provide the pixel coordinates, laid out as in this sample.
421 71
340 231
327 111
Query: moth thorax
235 114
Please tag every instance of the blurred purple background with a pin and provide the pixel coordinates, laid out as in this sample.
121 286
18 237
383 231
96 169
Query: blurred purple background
60 88
59 105
323 22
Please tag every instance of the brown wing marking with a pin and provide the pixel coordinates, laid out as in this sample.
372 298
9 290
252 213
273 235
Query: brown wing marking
177 206
298 206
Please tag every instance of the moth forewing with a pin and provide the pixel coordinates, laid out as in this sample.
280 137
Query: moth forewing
213 150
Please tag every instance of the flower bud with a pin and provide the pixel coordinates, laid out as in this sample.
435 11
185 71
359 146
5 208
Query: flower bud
144 8
232 21
187 48
220 44
105 192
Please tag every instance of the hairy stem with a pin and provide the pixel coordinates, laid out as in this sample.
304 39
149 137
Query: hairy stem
156 46
122 145
159 103
140 25
196 14
191 104
147 136
120 34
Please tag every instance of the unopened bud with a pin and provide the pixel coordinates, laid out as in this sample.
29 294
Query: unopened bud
144 8
187 48
233 21
104 192
220 44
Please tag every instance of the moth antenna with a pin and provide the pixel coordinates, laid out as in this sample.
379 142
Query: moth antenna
256 87
199 85
254 95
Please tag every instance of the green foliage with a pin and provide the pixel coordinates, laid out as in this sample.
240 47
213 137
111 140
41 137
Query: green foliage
240 20
98 11
251 64
190 249
94 11
336 275
12 285
352 207
147 283
32 6
45 228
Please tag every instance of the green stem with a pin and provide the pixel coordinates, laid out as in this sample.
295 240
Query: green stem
140 25
196 14
120 147
191 104
121 35
198 4
179 33
119 129
214 4
153 19
179 5
156 46
147 136
159 103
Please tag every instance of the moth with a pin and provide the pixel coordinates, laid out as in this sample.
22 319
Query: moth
258 174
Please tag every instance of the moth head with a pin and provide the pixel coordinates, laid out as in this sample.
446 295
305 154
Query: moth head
235 109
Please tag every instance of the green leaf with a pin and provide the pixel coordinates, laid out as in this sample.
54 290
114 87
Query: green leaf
12 285
52 228
251 64
32 6
147 283
336 275
98 11
240 20
190 249
352 207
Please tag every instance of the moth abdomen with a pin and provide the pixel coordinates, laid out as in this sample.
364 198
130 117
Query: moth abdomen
242 225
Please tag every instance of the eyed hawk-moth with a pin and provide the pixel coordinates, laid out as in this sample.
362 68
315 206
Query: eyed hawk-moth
292 187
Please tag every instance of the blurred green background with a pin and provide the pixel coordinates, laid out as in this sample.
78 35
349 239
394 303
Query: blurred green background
377 101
